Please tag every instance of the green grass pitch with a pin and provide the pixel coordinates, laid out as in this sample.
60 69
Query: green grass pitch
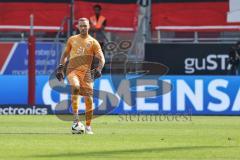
118 137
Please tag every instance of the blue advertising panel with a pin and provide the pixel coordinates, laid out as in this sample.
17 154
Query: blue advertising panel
196 95
16 60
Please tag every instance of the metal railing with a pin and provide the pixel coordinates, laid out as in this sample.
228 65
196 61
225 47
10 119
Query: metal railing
157 36
195 37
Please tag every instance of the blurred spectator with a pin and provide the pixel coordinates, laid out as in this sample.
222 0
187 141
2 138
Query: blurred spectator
234 58
98 23
97 26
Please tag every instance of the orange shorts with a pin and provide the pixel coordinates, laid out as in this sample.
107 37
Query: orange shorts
81 80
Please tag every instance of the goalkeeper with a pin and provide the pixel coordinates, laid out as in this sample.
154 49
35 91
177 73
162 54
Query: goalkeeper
80 50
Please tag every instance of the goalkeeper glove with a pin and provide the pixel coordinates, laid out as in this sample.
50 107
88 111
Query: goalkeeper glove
60 72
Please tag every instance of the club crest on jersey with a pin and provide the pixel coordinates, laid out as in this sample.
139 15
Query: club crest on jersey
88 45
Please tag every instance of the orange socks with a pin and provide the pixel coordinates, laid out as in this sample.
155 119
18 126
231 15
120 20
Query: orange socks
89 110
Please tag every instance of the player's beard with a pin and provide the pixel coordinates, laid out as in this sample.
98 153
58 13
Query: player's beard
83 33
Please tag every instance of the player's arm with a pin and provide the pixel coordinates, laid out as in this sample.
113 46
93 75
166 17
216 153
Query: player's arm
63 60
99 55
66 52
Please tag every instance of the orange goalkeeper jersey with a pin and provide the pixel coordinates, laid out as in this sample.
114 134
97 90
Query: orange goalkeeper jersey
81 52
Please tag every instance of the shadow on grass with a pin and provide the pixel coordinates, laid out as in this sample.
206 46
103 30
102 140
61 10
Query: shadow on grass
130 151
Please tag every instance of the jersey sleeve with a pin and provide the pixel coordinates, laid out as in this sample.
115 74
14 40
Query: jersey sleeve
98 53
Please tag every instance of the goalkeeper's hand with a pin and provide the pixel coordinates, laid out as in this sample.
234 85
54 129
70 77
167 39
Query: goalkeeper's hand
60 72
97 73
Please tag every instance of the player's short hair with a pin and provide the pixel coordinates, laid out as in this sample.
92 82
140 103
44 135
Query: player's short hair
83 19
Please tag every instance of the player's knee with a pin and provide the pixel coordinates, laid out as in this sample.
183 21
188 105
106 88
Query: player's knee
76 90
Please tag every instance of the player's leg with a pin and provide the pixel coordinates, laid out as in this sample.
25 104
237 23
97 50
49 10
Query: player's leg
87 92
89 109
75 102
89 113
75 89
